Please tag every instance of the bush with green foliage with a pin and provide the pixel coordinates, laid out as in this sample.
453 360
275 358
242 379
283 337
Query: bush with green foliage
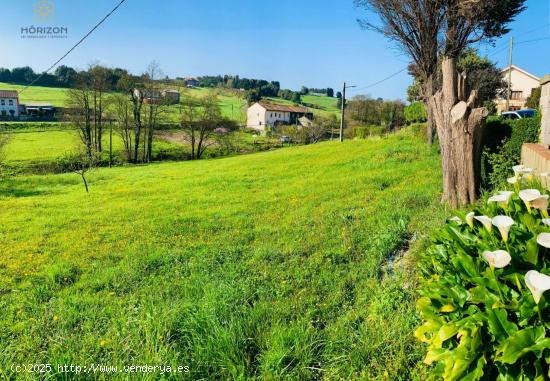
483 305
503 141
415 113
364 132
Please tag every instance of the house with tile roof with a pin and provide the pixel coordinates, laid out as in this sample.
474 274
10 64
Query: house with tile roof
9 104
523 83
262 114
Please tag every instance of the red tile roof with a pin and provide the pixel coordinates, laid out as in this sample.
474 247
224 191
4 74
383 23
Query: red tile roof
284 108
8 94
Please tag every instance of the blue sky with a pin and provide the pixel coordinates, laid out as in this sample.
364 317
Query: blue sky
316 43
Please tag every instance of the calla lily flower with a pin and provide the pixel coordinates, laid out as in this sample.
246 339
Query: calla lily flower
486 221
456 220
543 239
546 221
537 283
502 198
528 195
503 223
497 259
470 219
512 180
534 199
518 168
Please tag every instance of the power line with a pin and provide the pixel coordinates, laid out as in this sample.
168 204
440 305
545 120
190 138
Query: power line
75 45
490 55
382 80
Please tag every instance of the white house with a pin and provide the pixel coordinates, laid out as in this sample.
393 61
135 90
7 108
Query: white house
9 104
262 114
523 84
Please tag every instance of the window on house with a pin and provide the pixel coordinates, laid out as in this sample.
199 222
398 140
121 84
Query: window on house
10 102
3 102
517 95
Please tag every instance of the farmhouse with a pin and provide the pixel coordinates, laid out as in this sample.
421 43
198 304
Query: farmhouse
262 114
165 96
38 110
171 96
523 84
9 104
191 82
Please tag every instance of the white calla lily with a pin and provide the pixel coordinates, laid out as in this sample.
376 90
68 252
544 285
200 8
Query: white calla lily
502 198
540 202
497 259
537 283
456 220
470 219
534 199
503 223
543 239
512 180
546 221
486 221
528 195
518 169
497 198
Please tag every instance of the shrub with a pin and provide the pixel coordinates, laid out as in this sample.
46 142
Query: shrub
365 132
415 112
503 141
482 308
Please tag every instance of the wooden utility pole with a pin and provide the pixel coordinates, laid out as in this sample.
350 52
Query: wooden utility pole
343 113
509 92
342 121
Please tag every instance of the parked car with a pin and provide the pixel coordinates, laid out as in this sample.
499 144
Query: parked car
285 139
519 114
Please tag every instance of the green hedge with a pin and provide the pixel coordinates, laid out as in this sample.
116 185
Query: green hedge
502 147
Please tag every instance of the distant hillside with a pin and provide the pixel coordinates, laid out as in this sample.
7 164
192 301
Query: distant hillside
232 105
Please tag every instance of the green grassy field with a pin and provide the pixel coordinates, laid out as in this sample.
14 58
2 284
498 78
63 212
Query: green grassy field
37 149
266 266
53 95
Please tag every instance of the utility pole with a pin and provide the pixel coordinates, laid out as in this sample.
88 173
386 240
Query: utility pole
509 92
343 111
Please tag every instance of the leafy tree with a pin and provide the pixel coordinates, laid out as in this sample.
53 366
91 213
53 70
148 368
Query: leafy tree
533 101
65 75
202 123
5 75
22 75
304 91
415 112
482 75
253 96
330 93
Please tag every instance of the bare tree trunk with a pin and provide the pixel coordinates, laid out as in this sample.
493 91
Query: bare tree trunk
83 175
100 123
459 127
428 92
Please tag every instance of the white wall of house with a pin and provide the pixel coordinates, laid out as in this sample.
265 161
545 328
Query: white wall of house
256 118
523 84
273 117
9 107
